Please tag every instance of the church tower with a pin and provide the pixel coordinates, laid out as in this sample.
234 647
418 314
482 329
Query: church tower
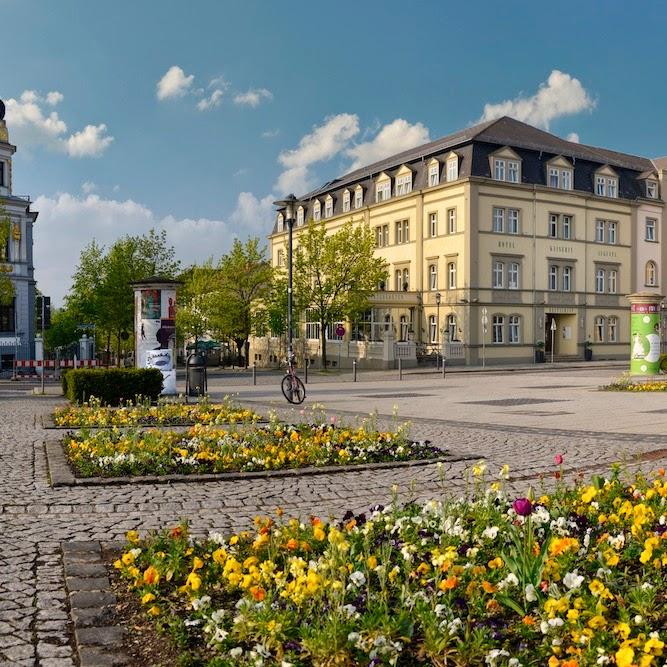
17 319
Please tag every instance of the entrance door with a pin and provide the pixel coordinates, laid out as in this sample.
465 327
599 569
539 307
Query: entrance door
550 336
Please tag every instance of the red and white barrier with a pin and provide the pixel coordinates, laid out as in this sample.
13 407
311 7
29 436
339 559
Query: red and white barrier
51 363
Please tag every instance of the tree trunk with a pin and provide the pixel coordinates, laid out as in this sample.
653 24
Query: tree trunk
323 333
118 350
246 347
108 349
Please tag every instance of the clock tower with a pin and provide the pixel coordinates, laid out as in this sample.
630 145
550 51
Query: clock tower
17 318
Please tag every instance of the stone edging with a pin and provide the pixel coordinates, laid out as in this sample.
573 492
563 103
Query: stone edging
98 641
62 475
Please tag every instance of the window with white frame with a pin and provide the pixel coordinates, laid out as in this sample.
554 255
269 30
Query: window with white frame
512 171
512 221
403 184
451 275
611 232
651 226
382 236
498 275
612 277
599 328
566 179
281 222
651 274
612 187
567 226
600 185
317 211
553 177
299 216
358 198
514 329
499 169
433 329
553 277
383 191
406 280
398 280
280 257
433 224
434 174
652 189
599 231
498 219
451 327
312 324
612 329
404 326
452 169
328 207
553 225
451 221
402 231
560 178
498 329
346 201
433 277
599 281
567 279
513 275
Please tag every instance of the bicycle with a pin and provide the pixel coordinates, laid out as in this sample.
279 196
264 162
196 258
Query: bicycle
291 385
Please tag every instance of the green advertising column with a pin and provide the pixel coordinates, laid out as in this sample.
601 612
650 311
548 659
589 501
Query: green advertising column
644 333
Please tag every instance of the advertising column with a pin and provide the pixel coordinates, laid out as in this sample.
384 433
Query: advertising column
155 328
644 333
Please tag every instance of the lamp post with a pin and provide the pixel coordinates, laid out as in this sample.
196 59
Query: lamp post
290 209
485 321
438 298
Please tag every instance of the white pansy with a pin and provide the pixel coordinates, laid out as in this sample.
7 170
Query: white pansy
236 652
572 580
530 593
491 532
358 578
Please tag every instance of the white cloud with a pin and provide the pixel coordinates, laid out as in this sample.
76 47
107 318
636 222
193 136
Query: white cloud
92 141
88 187
67 223
573 137
397 136
175 83
253 97
560 95
296 180
30 126
213 100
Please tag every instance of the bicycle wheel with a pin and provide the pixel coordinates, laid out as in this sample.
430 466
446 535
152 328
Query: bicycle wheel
293 389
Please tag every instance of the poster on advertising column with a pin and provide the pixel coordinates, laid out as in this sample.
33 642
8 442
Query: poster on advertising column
645 338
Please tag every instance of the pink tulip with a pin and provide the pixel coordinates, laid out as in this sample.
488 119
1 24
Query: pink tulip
523 506
558 459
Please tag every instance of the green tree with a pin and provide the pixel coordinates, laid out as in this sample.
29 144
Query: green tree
244 284
195 299
64 329
335 274
6 286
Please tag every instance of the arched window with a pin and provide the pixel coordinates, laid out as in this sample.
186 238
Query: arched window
281 222
317 211
433 277
299 216
451 327
612 329
433 329
404 327
406 280
651 274
451 275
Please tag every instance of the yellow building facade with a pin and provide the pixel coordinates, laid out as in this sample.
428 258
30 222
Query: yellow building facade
501 240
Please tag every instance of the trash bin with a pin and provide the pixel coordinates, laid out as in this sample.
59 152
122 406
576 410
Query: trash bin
195 375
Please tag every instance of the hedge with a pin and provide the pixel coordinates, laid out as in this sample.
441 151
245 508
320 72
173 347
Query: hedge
112 385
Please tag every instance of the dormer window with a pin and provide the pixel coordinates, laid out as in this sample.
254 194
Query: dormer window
403 184
559 174
317 211
434 173
328 207
383 190
651 189
506 166
281 222
499 169
358 197
452 168
346 201
299 216
606 183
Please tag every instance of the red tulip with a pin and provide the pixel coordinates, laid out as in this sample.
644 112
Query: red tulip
558 459
523 506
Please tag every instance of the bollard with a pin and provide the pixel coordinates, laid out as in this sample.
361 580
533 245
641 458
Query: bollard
254 373
305 370
354 371
400 369
437 361
444 363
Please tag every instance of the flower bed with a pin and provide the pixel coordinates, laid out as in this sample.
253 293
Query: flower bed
202 449
570 579
94 414
627 385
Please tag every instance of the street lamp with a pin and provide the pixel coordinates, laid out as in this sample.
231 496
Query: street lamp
438 299
289 204
485 321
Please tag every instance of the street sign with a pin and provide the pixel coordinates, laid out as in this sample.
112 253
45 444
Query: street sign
340 330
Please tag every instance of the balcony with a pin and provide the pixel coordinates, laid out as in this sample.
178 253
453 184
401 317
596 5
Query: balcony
393 297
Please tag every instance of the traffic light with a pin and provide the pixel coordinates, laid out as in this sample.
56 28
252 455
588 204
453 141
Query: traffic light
42 305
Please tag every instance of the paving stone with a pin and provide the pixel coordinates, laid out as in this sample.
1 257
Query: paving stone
93 616
107 636
84 599
87 583
95 657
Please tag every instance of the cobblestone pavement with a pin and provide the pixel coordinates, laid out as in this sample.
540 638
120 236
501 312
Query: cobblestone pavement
35 518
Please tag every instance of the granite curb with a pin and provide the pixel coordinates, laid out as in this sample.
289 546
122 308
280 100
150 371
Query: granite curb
61 474
98 642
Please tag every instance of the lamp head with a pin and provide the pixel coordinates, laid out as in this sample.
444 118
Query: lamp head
438 297
289 204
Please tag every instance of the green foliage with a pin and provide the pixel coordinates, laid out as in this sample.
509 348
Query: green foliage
195 300
6 286
64 329
112 386
335 274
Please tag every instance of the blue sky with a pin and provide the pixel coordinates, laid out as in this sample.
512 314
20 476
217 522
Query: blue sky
263 97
